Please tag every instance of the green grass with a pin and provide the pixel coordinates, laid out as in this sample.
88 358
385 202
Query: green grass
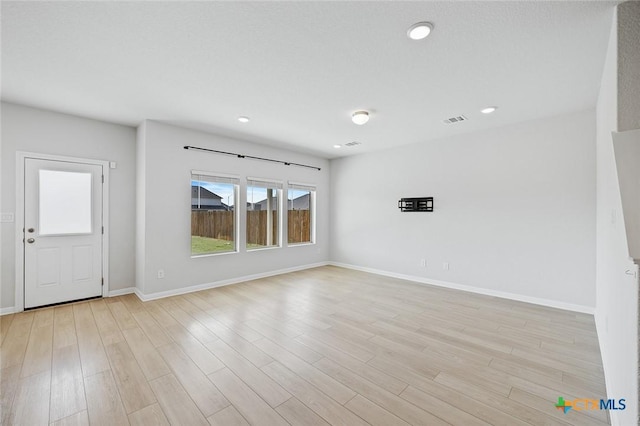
204 245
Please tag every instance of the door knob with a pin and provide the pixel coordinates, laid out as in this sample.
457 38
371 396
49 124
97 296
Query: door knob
31 240
30 230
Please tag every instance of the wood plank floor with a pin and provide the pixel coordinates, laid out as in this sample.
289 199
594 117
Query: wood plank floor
325 346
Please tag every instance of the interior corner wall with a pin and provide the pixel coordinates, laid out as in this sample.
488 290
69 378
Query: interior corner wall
514 210
167 215
616 293
47 132
141 199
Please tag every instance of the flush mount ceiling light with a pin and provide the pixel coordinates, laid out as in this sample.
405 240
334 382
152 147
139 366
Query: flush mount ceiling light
243 119
360 117
420 30
488 110
337 146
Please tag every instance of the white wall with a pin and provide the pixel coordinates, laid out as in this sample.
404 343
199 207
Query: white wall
165 241
616 293
514 210
40 131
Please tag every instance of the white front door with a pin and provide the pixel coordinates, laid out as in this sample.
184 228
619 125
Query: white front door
63 231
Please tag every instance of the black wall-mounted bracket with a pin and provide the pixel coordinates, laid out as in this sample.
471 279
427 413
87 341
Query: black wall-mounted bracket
420 204
286 163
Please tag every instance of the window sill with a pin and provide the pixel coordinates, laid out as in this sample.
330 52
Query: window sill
263 249
197 256
301 244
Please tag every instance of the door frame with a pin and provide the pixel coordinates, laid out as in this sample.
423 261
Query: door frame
21 156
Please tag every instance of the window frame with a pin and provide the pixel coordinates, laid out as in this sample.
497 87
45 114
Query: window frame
225 178
252 182
312 188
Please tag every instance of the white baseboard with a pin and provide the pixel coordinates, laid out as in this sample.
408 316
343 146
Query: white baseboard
485 291
191 289
122 291
237 280
7 311
419 280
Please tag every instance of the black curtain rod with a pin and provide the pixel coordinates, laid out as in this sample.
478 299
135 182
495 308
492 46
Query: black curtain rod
286 163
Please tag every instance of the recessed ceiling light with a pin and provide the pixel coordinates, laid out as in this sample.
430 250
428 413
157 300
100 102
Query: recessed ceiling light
337 146
243 119
420 30
360 117
488 110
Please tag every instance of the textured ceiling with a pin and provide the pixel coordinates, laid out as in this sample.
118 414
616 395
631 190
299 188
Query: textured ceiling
299 69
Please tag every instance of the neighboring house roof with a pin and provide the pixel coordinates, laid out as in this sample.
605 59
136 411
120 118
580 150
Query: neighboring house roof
262 205
300 203
204 192
203 199
211 205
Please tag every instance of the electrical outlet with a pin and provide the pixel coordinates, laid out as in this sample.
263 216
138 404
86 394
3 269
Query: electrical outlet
423 263
161 273
445 266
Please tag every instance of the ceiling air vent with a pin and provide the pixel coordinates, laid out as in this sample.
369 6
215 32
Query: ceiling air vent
354 143
455 119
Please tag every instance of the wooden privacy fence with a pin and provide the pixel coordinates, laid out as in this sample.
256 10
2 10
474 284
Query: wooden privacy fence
212 224
219 224
299 226
257 228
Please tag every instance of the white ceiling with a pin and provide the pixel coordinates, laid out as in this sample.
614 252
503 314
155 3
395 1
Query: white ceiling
299 69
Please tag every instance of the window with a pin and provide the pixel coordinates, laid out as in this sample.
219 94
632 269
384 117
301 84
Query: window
263 212
65 203
300 213
213 214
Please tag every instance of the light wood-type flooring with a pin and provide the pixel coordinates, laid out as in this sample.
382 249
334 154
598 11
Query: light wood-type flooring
325 346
